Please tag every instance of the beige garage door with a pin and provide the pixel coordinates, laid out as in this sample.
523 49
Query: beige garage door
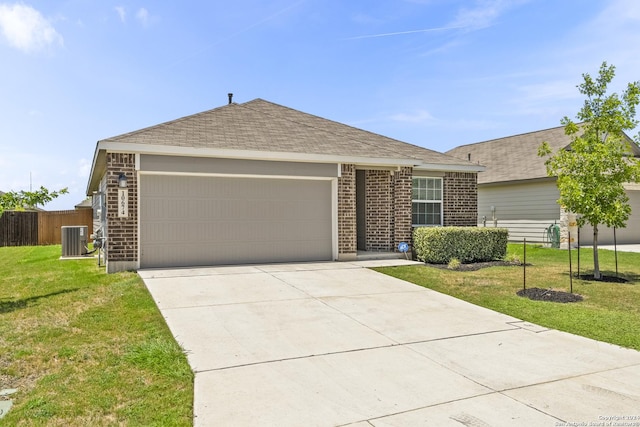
628 235
193 220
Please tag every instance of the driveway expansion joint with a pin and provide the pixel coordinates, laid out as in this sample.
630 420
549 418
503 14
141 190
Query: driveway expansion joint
332 353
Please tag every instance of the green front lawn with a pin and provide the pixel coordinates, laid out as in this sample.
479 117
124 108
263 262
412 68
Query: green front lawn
86 348
610 312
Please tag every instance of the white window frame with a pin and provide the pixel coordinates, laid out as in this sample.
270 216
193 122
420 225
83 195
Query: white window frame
426 201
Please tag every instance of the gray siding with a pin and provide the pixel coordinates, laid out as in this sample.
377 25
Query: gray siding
204 165
526 209
99 206
524 201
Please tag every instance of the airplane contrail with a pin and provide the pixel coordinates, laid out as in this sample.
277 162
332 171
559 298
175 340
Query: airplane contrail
426 30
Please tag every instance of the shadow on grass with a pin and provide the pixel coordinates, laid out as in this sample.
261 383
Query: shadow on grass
7 306
623 277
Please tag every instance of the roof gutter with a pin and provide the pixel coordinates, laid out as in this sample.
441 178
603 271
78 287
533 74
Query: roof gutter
450 168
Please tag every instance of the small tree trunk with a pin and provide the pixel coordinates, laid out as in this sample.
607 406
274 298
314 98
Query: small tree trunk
596 262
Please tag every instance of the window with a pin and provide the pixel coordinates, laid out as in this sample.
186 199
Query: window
427 201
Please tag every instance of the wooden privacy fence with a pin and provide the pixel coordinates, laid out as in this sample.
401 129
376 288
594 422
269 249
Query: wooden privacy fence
40 228
49 224
18 228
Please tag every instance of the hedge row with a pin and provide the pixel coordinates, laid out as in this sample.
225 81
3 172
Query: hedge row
439 245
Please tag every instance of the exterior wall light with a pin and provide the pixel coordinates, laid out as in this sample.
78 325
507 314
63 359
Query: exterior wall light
122 180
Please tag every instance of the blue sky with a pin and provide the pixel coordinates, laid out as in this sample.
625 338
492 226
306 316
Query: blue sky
436 73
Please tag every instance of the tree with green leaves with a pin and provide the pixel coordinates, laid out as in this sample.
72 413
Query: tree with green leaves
592 171
22 200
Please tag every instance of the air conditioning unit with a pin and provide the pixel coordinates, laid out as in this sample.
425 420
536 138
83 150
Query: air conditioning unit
74 240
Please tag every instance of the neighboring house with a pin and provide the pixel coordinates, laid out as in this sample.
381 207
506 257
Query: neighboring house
258 182
515 192
85 204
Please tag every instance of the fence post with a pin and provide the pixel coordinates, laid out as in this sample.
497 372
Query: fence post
578 274
615 249
570 269
524 265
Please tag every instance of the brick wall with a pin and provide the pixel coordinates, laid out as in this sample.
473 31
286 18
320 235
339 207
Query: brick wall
379 211
388 208
460 199
402 185
347 237
122 238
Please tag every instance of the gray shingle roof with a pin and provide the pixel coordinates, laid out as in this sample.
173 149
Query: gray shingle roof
515 158
260 125
512 158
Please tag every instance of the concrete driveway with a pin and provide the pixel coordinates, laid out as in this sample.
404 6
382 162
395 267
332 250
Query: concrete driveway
336 344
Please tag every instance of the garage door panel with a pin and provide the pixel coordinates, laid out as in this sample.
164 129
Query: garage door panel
212 220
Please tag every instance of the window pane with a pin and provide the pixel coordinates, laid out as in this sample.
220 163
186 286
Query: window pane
432 214
435 191
418 215
427 197
419 191
426 213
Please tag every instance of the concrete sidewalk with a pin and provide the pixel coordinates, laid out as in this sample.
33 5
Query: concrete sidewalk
336 344
619 248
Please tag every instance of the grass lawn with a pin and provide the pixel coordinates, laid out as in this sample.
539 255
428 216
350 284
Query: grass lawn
85 348
610 312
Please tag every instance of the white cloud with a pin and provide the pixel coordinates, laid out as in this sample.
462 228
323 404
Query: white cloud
549 91
419 116
484 14
362 18
25 28
143 16
122 13
612 36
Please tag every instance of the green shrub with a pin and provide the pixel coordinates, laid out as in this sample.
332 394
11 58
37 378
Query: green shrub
439 245
453 264
513 257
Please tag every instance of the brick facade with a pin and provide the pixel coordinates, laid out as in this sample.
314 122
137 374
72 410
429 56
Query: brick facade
379 210
387 213
460 199
388 208
347 232
122 242
402 186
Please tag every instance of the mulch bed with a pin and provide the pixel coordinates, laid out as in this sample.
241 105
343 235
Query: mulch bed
538 294
475 265
608 279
